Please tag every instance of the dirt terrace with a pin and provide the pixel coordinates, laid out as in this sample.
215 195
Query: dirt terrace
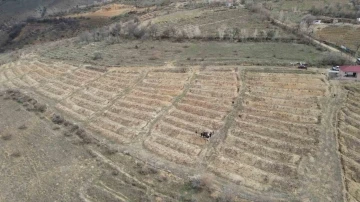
349 134
271 127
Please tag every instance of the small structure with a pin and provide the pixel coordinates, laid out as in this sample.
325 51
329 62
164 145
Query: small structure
317 22
350 72
358 20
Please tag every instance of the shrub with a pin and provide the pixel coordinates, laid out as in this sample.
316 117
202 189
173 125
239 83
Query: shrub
57 119
198 183
6 136
16 154
227 195
82 134
111 150
97 56
40 107
334 59
22 127
15 30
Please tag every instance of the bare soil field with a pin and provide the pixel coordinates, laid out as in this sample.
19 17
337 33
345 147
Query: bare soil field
38 163
274 133
341 35
205 106
348 135
109 10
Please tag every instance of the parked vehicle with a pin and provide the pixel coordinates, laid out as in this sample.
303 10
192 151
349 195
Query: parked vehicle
302 65
358 61
335 68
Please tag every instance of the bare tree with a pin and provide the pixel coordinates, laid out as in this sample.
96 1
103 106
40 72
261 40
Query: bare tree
281 16
221 31
308 19
357 48
244 34
153 30
255 34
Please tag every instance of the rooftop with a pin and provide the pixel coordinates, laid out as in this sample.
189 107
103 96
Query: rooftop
354 68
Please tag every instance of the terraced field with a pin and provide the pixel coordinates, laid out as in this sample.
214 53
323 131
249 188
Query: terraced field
204 108
349 143
276 128
266 126
132 113
30 74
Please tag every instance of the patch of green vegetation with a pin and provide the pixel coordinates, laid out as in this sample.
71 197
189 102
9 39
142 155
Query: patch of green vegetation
257 53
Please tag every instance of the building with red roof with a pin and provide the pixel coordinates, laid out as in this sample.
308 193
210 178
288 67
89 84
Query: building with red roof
351 72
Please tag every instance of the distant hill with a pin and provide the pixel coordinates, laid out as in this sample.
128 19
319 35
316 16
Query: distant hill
12 11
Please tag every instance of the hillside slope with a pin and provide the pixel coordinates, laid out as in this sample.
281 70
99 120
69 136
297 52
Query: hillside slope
14 11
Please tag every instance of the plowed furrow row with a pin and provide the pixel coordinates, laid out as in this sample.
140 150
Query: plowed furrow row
212 94
265 79
353 189
124 120
283 95
282 145
265 131
183 147
162 86
171 92
185 125
131 113
106 95
213 77
250 175
260 75
157 104
196 119
289 85
279 108
214 88
107 88
53 92
266 165
76 112
162 75
289 91
307 130
352 169
275 154
95 99
87 104
212 100
200 111
168 153
346 128
353 109
133 105
224 84
284 116
164 98
206 104
179 133
283 102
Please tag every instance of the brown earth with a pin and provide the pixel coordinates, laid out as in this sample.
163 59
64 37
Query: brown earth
274 130
37 162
